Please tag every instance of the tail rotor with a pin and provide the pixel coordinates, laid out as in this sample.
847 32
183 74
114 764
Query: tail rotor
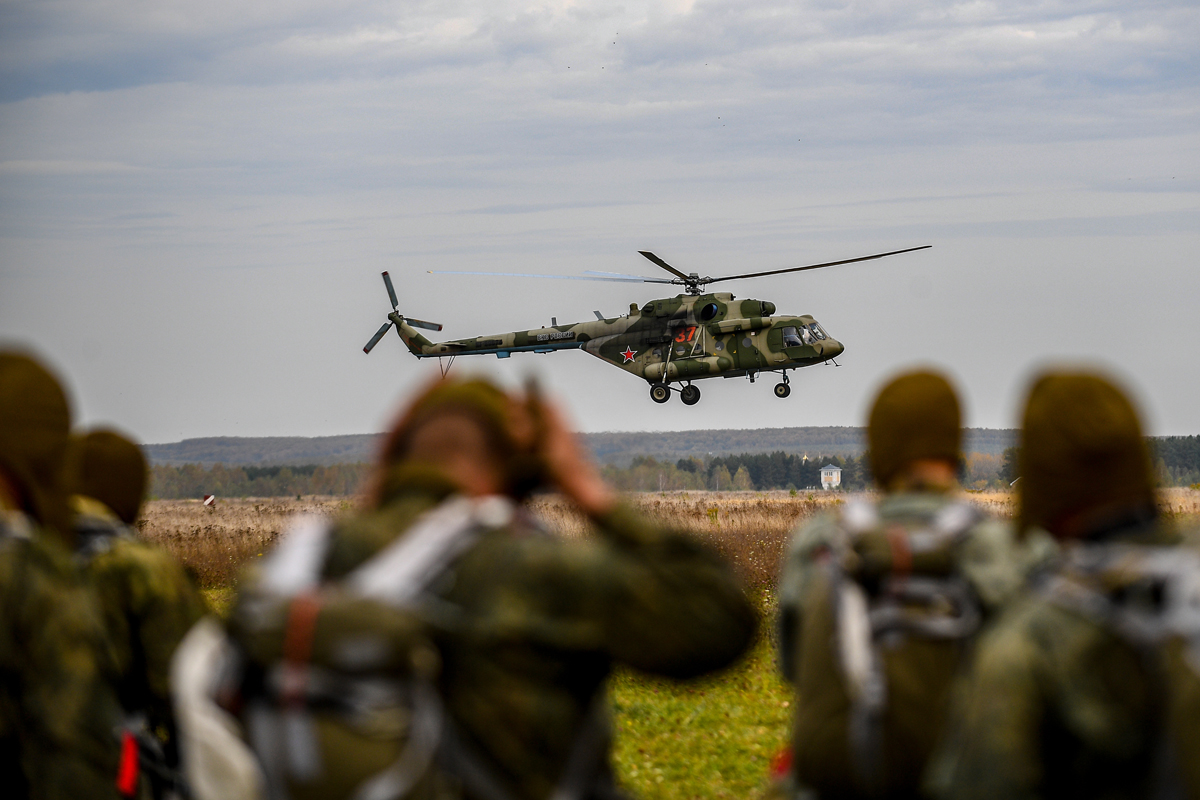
378 335
395 318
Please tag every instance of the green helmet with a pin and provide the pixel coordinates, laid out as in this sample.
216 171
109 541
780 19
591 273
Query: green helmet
915 416
35 422
109 467
1083 457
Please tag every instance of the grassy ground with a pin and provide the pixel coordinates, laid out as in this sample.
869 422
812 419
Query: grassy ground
712 738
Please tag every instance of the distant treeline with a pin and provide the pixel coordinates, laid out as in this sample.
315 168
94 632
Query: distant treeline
1176 459
196 480
619 448
742 472
778 470
1176 462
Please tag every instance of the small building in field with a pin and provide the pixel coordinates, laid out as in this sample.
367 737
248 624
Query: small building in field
831 476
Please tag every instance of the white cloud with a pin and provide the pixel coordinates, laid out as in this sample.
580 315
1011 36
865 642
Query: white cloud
33 167
221 183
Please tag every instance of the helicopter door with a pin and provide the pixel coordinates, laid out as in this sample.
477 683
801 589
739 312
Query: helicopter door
744 349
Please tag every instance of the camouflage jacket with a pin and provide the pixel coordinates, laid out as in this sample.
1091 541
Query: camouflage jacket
1058 704
529 625
58 712
872 700
148 603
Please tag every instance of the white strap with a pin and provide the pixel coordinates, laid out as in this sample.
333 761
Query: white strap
216 761
406 567
294 566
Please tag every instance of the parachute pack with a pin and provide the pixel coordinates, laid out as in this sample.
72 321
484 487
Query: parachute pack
885 623
329 690
1148 597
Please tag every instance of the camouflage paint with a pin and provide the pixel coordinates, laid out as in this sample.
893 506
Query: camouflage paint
684 338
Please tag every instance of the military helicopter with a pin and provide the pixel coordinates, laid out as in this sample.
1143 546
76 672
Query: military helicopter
669 343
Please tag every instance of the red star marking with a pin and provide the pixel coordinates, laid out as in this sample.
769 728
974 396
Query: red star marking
628 355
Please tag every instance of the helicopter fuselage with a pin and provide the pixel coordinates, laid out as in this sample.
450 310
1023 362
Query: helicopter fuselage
679 339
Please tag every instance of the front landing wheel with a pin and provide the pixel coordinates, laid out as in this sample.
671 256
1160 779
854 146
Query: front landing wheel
660 393
690 395
782 390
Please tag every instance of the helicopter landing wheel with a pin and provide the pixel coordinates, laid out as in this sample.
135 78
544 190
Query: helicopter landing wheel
660 393
782 390
690 395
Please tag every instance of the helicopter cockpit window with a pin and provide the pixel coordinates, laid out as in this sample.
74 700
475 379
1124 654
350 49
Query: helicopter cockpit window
791 338
708 312
816 330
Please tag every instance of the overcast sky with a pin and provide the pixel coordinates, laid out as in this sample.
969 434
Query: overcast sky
196 199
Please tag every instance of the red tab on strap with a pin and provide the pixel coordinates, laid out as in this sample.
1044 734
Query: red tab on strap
127 770
781 763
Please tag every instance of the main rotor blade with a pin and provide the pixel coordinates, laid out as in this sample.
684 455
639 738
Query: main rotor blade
555 277
818 266
420 323
622 276
378 335
387 280
664 264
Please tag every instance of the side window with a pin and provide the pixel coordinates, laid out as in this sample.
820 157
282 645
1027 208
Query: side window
791 337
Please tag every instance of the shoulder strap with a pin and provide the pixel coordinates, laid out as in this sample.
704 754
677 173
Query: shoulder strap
399 572
15 525
294 566
404 569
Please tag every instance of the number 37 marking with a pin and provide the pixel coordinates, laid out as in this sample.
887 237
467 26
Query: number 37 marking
686 334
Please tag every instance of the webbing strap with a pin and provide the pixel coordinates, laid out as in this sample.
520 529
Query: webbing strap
404 569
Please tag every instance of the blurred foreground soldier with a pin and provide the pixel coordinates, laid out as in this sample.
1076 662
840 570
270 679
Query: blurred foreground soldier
147 600
1090 685
879 602
58 715
342 693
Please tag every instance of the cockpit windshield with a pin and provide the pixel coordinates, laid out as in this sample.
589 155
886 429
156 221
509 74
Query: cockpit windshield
816 330
793 337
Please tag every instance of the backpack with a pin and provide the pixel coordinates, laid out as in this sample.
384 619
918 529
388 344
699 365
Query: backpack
878 645
344 717
1149 597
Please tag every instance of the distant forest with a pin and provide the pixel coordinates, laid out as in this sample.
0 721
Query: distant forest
196 480
618 448
1176 461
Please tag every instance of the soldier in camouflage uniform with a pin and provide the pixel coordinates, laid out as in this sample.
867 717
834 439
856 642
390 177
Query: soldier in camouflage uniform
147 599
58 714
528 625
1086 687
878 600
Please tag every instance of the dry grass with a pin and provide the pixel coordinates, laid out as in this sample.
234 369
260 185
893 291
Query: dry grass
214 542
751 529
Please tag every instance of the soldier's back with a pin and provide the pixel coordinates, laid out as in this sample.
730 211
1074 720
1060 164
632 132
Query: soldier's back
148 603
534 624
877 605
59 711
1088 686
